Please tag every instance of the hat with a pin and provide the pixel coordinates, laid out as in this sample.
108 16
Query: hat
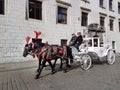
73 33
78 32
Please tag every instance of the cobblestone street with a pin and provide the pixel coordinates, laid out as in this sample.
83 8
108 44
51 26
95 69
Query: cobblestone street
99 77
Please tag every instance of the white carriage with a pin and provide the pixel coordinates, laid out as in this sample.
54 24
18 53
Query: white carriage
91 49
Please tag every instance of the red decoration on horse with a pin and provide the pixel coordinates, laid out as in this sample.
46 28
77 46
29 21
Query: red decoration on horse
37 33
27 39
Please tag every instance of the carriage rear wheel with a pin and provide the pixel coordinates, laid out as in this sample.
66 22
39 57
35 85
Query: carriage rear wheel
86 61
111 57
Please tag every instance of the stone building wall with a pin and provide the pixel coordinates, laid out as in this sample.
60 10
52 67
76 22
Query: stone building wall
14 27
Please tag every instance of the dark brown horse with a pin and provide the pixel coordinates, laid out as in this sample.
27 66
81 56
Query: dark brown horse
50 52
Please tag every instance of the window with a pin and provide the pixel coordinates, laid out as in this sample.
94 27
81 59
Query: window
95 42
113 44
102 21
63 42
62 15
101 3
1 6
35 9
110 5
119 8
119 26
84 19
111 25
86 1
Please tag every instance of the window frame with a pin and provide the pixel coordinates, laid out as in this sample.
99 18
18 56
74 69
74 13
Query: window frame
111 22
63 21
102 20
119 25
3 7
111 5
35 5
86 1
101 4
118 7
63 42
84 22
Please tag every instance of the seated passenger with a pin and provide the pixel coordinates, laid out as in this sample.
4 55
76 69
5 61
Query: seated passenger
95 44
71 43
79 40
101 44
73 40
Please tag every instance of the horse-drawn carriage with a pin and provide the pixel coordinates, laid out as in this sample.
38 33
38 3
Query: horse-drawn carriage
91 49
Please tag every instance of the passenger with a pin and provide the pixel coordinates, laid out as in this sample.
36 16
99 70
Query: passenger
79 40
73 40
95 44
71 43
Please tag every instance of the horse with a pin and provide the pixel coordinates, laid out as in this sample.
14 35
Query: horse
50 52
46 53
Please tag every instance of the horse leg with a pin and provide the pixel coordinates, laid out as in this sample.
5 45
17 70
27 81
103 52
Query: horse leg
69 54
67 65
39 64
41 68
53 70
61 63
54 63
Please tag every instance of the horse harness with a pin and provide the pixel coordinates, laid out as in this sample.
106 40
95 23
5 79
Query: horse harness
49 52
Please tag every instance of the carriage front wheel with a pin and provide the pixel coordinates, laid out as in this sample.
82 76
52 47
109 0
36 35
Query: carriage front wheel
85 61
111 57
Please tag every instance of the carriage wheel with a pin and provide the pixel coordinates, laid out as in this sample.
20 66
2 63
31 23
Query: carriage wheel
86 61
111 57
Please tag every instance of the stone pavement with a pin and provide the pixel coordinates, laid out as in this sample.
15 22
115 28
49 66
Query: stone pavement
20 76
18 65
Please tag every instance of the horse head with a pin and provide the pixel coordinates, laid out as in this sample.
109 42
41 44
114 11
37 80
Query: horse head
32 47
27 49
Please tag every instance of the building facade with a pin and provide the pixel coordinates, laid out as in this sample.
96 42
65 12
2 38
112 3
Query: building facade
57 20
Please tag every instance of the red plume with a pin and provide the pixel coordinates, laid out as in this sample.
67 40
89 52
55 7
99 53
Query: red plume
37 34
27 39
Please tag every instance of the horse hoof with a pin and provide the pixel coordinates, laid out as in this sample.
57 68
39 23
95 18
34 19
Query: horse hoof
69 66
65 71
53 72
36 77
37 71
60 68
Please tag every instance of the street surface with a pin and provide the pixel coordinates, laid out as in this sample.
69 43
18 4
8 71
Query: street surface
20 77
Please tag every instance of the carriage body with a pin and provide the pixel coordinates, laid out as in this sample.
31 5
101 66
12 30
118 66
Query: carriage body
91 50
94 45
